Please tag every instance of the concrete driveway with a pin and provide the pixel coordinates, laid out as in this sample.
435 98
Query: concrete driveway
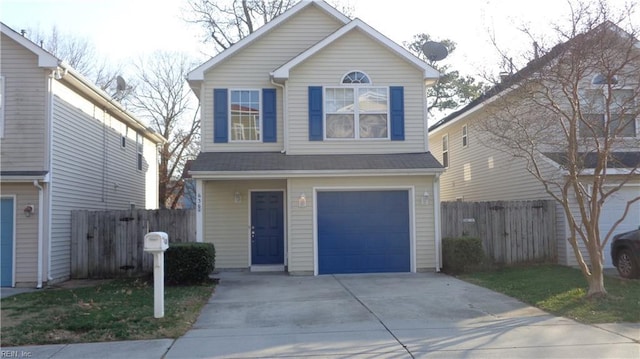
385 316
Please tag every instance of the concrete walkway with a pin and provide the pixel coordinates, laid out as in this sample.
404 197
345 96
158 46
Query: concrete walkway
365 316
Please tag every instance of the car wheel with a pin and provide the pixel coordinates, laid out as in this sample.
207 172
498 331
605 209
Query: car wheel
627 266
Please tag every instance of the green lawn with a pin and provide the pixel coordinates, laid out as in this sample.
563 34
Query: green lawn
115 310
561 291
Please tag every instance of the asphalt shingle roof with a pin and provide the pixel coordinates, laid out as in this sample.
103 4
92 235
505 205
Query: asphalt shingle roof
276 161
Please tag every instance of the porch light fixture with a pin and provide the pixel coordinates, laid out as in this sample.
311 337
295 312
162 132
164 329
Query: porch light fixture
302 200
425 198
28 210
237 197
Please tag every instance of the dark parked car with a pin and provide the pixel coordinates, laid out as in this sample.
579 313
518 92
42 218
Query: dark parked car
625 253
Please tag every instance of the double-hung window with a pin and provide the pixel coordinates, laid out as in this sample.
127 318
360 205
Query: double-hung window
139 151
445 151
608 113
356 110
245 119
465 139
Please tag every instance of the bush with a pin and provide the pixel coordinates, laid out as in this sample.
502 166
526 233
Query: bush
189 263
461 254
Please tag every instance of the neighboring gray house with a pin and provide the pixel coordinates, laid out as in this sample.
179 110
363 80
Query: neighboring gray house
477 172
314 156
64 145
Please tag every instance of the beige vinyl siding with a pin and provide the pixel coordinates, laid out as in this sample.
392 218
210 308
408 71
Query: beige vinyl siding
250 68
90 168
226 223
25 109
356 51
26 229
301 257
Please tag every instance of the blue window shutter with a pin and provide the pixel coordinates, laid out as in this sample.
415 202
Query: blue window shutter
220 116
396 94
315 113
269 131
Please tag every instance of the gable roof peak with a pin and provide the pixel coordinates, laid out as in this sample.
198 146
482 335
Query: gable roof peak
197 75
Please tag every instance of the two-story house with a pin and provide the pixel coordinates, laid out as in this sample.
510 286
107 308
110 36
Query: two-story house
64 145
479 169
314 155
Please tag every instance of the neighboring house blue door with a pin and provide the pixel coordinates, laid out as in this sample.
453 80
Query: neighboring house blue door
363 232
267 228
6 239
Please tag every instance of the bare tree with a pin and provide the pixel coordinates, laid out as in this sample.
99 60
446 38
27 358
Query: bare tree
452 89
81 54
577 104
226 22
163 97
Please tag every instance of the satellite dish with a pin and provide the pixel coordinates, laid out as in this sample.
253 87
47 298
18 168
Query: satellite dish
434 51
121 84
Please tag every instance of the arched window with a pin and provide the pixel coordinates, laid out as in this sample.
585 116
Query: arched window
356 77
601 79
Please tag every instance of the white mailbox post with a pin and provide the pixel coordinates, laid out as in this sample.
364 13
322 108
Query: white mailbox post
156 243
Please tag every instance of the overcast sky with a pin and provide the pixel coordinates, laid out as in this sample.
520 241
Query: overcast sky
125 29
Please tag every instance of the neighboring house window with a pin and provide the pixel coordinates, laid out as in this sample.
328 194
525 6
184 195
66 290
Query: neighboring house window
244 108
2 106
356 112
622 110
445 151
139 151
123 138
356 77
465 140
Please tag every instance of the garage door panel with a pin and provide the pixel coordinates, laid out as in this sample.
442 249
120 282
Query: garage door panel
363 232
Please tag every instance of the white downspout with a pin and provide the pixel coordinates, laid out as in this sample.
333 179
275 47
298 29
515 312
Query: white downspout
40 230
49 175
436 219
285 125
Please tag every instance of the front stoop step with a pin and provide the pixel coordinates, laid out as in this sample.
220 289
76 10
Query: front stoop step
268 268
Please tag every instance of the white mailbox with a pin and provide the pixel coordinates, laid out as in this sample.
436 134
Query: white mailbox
156 241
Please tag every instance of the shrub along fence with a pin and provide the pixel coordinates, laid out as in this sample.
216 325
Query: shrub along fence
511 231
107 244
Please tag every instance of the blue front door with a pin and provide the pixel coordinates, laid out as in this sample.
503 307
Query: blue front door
363 232
6 239
267 228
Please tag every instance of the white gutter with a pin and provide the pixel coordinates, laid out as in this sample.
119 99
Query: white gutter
40 230
436 219
285 125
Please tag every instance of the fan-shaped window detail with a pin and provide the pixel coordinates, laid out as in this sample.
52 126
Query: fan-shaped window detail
600 79
356 77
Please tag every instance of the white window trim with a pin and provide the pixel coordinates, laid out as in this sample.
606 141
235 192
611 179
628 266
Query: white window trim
2 106
465 136
356 114
445 138
229 124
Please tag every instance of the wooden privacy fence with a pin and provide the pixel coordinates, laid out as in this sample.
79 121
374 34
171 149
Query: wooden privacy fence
106 244
511 231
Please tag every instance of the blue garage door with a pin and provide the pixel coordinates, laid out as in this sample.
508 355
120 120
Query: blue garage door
363 232
6 242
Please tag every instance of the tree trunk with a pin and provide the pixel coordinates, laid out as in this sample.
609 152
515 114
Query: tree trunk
596 282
